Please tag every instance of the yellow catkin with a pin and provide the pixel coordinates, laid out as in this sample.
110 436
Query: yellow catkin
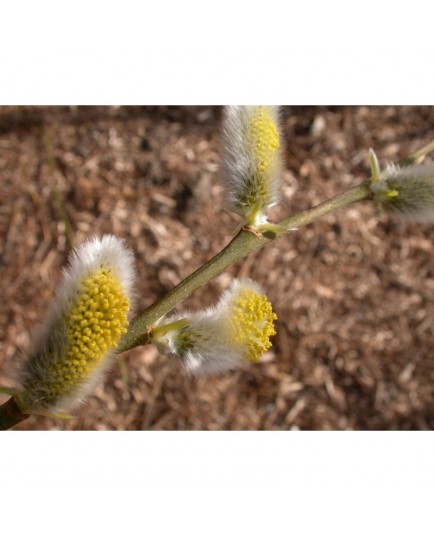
250 324
264 139
94 324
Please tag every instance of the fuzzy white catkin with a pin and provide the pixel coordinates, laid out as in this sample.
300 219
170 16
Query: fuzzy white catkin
76 343
406 193
252 160
223 337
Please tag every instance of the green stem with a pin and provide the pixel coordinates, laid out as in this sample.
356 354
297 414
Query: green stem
244 243
417 156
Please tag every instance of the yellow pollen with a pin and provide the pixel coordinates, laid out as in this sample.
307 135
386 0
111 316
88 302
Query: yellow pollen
264 139
94 324
250 323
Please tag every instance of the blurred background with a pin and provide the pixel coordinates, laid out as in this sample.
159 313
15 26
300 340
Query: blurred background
353 292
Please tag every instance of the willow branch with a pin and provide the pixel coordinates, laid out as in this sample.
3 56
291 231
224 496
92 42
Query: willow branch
244 243
418 156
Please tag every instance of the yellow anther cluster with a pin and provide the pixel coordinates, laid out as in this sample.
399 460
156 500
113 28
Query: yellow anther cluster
264 138
94 325
250 323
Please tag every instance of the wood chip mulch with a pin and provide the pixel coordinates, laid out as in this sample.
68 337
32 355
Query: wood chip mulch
354 292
